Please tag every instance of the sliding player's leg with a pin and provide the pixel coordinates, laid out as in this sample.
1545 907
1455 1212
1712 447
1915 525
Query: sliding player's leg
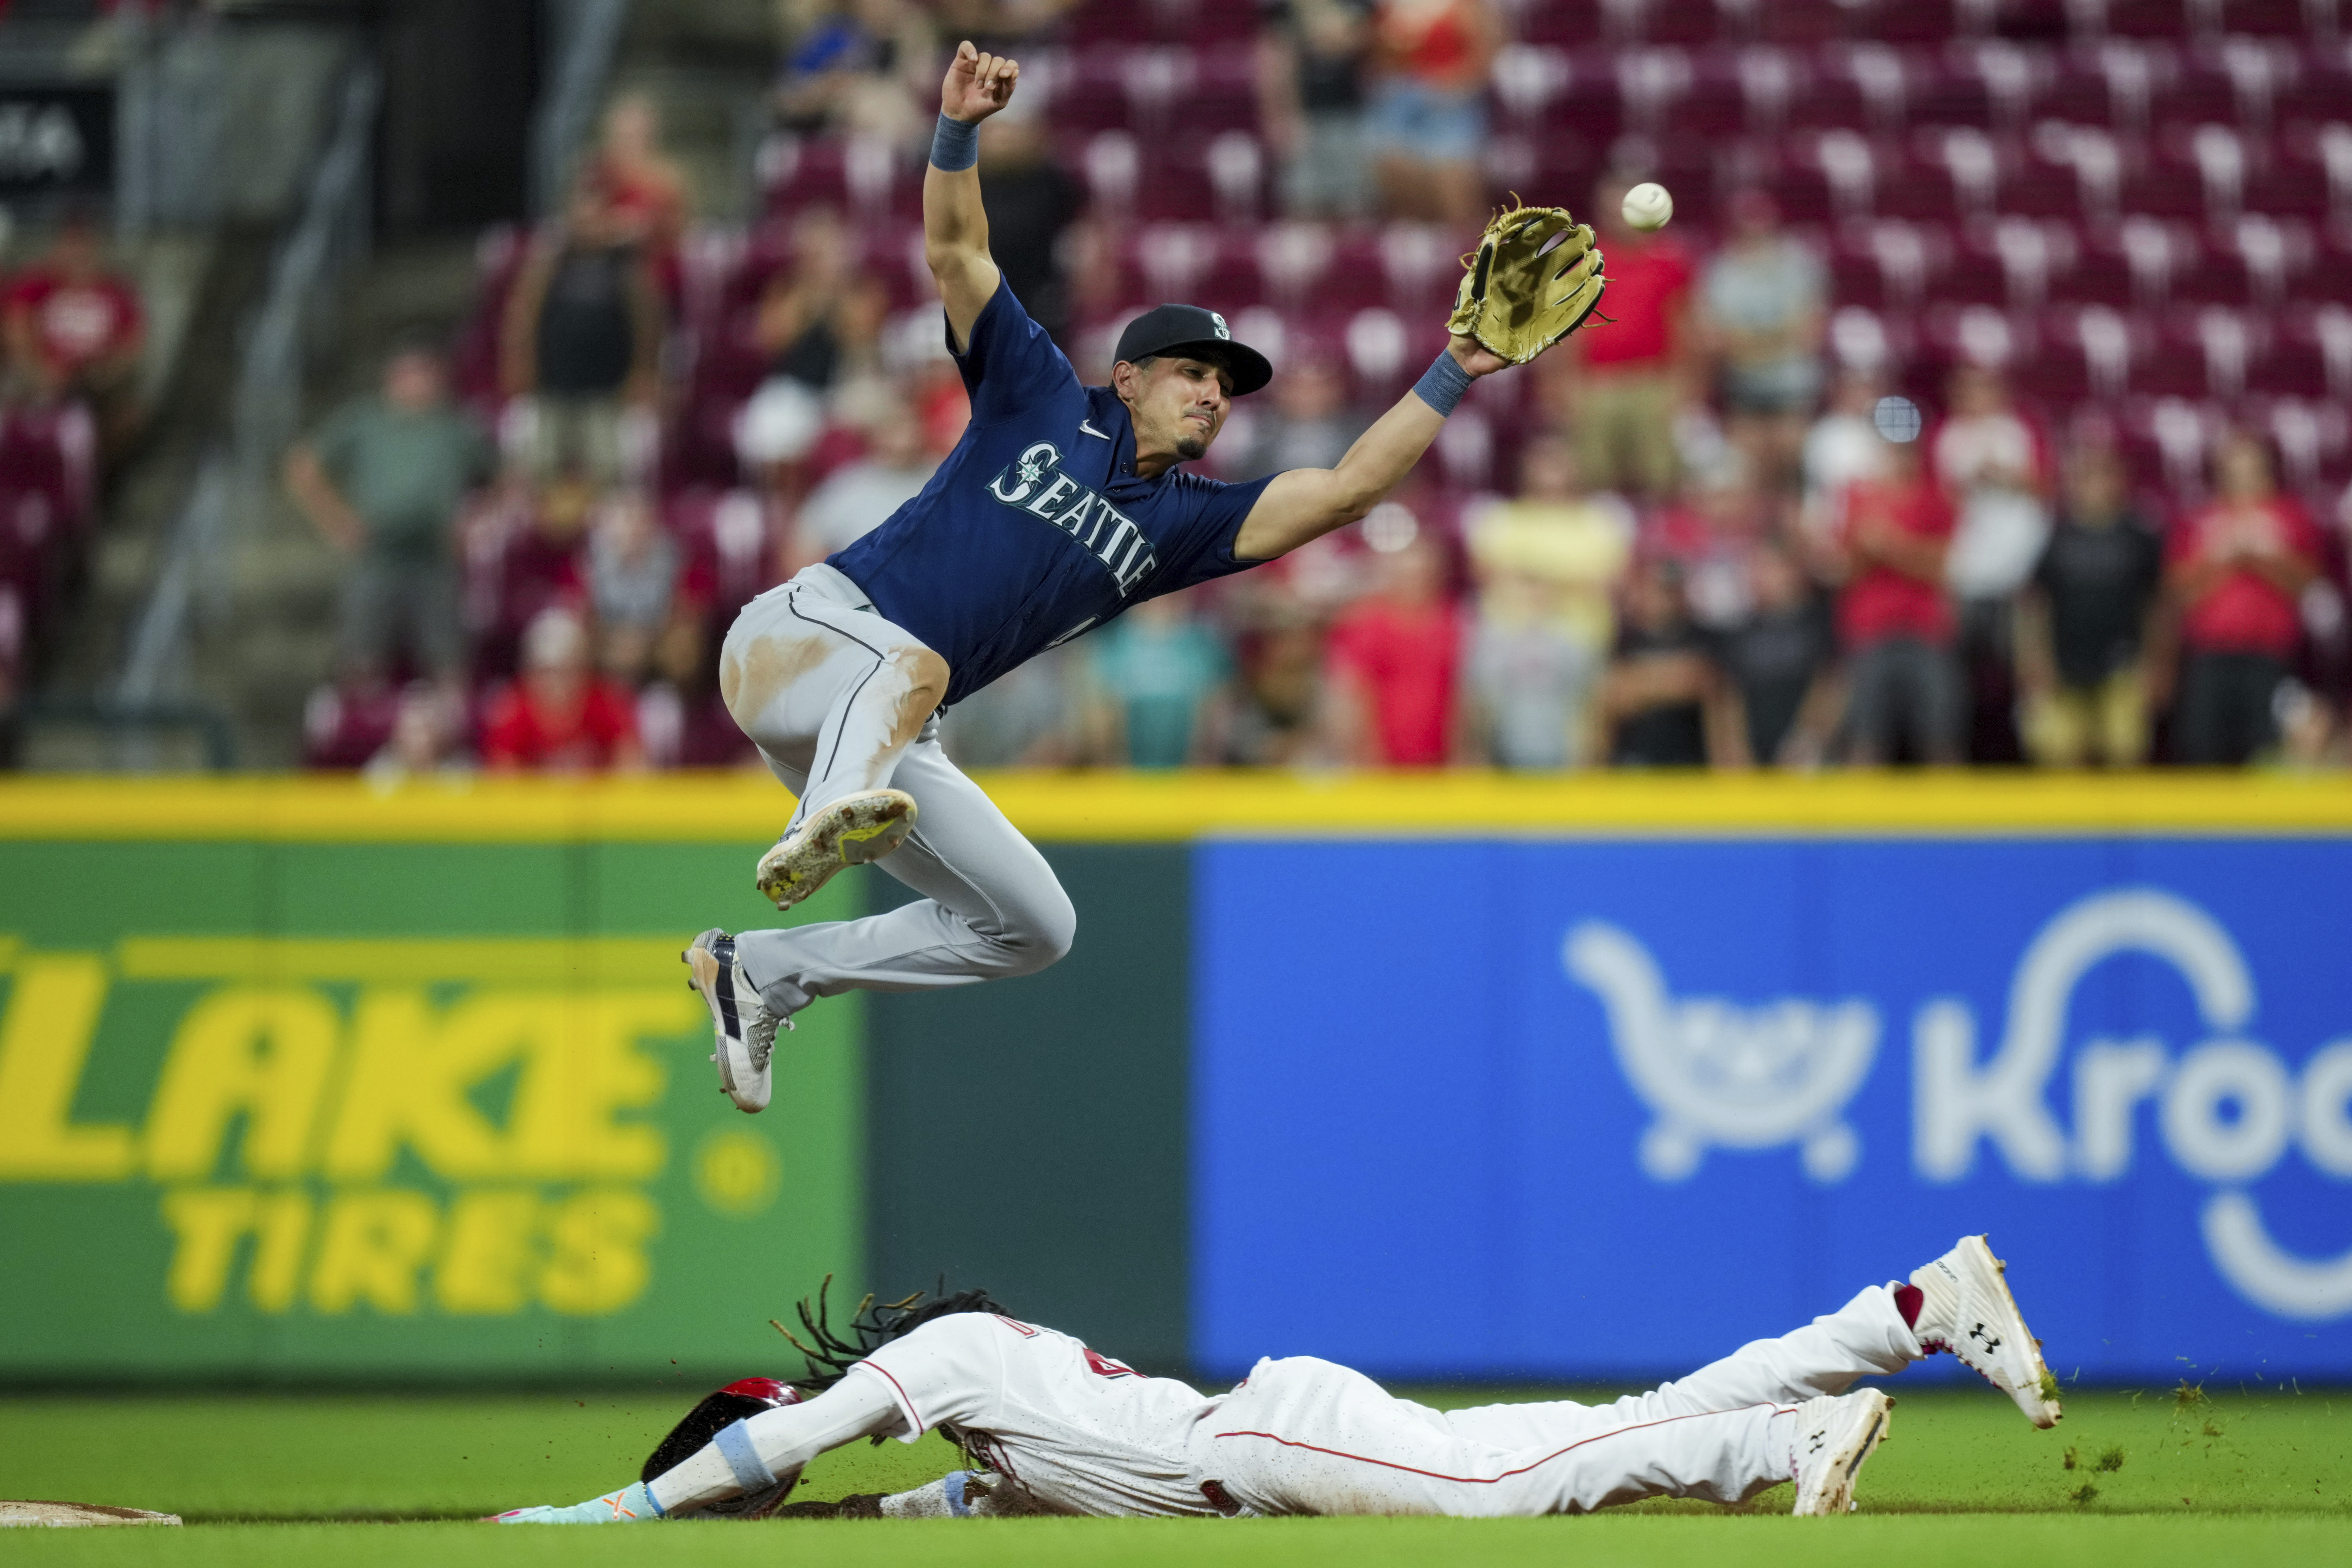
1303 1435
1959 1302
1866 1337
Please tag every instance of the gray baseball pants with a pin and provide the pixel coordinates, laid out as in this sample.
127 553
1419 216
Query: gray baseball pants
825 688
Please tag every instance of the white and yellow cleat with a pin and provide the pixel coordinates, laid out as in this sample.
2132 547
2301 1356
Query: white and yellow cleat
1835 1435
852 831
1966 1309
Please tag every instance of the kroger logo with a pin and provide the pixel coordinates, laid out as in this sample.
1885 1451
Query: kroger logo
1718 1073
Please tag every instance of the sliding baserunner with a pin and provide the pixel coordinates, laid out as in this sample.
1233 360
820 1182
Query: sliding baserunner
1051 1427
1063 505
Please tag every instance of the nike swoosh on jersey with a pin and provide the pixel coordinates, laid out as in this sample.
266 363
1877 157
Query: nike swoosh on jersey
1086 429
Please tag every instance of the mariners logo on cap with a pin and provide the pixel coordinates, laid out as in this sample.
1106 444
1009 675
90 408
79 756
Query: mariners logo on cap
1223 333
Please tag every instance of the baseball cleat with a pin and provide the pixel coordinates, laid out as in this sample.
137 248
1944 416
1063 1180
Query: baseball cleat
740 1023
852 831
1966 1309
1834 1437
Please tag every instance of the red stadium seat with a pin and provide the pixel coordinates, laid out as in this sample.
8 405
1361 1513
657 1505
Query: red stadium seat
1527 79
2319 156
2137 18
1108 21
1803 21
1826 93
1953 174
2318 338
1653 85
2268 19
1940 95
2315 444
1571 22
2319 89
1923 21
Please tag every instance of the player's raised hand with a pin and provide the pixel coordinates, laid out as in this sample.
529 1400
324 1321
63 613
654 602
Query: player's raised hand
977 84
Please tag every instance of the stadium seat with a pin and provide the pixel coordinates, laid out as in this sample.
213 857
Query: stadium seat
2314 445
1107 21
1957 172
1571 23
1826 93
2316 343
1527 80
2166 441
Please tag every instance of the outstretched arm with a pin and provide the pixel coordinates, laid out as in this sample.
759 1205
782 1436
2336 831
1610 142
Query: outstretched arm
1304 504
756 1452
955 223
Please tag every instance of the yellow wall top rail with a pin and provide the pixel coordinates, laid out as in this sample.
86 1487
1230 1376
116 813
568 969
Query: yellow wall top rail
749 808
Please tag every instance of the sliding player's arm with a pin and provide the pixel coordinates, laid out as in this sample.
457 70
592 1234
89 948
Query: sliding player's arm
955 224
1307 503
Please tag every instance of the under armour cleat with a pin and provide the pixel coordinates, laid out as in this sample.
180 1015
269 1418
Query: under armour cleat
852 831
1834 1436
1966 1309
740 1023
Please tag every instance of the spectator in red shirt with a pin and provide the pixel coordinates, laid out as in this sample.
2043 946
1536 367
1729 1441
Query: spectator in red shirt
1395 656
559 718
1894 619
1621 381
74 329
2237 569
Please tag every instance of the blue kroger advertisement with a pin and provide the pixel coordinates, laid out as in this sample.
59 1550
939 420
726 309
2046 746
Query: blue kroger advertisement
1488 1109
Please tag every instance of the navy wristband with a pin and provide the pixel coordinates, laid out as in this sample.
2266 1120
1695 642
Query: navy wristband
1444 383
955 146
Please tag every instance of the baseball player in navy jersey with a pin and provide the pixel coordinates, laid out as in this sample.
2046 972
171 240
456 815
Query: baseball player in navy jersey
1055 1427
1062 505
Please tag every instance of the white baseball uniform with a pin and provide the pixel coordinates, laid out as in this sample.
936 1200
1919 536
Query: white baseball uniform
1076 1431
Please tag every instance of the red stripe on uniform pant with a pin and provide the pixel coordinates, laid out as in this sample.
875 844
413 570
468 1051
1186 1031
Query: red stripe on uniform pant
1506 1475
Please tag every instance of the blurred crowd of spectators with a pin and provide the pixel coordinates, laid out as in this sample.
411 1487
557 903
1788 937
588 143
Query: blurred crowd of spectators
1713 549
72 338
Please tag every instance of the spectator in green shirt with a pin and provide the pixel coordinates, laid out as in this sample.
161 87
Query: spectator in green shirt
382 480
1156 673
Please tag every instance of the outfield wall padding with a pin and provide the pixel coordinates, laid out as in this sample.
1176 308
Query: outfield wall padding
1459 1075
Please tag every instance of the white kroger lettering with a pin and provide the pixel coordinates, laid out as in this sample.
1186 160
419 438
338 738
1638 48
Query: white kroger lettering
2227 1109
2273 1280
1956 1101
2325 1127
1715 1072
2111 1077
2237 1148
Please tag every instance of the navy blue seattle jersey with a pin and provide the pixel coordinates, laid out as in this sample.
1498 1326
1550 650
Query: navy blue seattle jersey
1036 527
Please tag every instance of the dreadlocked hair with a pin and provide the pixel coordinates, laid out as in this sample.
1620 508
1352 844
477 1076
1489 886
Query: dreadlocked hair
830 1353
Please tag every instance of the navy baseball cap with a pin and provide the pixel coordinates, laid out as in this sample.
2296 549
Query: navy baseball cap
1190 330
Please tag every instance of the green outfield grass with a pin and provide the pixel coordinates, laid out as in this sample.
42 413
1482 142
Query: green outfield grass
1961 1479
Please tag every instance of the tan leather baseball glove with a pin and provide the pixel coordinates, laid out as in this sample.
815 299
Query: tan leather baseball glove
1518 299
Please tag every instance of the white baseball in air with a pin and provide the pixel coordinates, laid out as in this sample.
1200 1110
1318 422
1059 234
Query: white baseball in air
1646 207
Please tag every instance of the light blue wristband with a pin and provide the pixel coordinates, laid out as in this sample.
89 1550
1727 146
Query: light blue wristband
955 146
1444 383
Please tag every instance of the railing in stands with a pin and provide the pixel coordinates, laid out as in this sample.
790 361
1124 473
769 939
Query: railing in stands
331 232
